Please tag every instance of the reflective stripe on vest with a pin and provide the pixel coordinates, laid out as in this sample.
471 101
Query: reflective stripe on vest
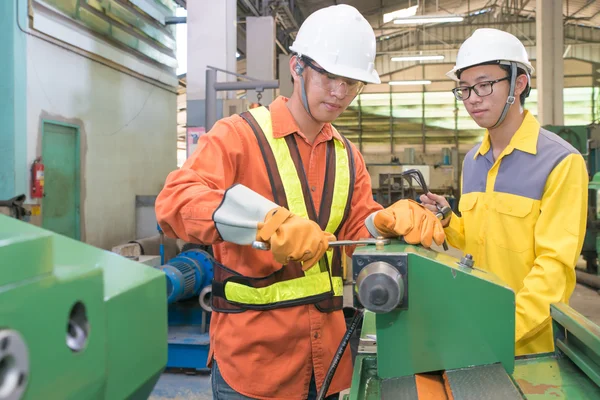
320 279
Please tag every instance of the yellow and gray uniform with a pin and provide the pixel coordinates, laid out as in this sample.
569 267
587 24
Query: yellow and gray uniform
523 219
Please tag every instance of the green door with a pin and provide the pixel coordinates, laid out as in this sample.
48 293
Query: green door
60 155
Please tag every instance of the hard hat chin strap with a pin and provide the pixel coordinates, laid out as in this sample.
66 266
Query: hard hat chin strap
510 100
299 70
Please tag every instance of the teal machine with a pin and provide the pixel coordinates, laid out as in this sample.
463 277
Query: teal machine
436 327
586 139
76 322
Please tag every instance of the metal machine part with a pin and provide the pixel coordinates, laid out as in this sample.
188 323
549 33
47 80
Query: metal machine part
14 365
380 287
77 328
188 274
189 289
204 298
432 328
14 207
467 261
569 373
381 279
450 347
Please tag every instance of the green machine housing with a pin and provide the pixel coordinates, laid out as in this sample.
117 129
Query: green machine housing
586 139
76 322
429 313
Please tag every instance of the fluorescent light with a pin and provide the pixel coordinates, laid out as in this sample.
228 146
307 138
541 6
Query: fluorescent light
417 58
427 20
405 83
403 13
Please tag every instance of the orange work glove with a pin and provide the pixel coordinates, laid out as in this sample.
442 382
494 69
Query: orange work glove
413 221
293 238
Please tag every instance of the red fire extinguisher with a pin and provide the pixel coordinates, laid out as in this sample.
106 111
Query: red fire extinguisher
37 179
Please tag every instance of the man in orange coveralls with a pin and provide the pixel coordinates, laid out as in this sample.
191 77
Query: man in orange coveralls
284 176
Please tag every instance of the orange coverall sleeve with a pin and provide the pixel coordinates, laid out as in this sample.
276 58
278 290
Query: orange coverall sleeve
185 206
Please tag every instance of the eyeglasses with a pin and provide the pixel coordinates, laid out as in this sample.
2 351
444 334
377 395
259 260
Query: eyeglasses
334 83
482 89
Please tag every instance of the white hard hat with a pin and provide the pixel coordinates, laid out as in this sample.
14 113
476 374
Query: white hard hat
341 41
488 45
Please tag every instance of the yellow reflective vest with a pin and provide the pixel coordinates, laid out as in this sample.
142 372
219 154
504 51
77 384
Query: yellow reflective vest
322 284
523 218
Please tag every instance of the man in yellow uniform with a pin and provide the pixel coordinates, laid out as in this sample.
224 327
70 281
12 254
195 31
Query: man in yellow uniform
524 189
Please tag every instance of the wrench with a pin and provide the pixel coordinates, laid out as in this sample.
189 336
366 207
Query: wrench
443 212
265 246
361 241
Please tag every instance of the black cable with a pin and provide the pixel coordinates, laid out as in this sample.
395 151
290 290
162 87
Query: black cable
340 352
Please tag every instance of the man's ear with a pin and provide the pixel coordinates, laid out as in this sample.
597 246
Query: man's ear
296 68
520 84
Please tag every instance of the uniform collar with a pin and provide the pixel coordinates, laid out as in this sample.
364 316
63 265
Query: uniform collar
524 139
284 123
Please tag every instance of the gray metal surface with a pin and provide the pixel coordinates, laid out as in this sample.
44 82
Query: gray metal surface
14 365
404 388
380 287
486 382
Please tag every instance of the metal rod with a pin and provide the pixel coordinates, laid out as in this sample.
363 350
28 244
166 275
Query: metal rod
391 124
423 112
175 20
259 86
212 87
211 99
233 73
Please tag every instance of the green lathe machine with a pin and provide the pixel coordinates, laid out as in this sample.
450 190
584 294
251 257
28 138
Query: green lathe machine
439 328
76 322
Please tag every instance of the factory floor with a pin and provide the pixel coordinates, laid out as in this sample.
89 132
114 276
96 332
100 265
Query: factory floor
179 386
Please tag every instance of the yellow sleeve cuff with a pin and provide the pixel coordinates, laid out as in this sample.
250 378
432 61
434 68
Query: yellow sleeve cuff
454 232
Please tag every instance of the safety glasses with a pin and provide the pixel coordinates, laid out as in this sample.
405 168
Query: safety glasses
334 83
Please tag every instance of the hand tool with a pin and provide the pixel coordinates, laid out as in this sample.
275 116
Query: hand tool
443 211
376 241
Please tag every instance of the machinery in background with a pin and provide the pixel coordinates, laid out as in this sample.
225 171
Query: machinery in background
14 208
397 186
394 187
586 139
189 279
440 327
77 322
188 269
390 184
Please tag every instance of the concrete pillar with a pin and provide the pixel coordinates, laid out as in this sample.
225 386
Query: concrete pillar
13 99
260 54
211 40
549 65
286 86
